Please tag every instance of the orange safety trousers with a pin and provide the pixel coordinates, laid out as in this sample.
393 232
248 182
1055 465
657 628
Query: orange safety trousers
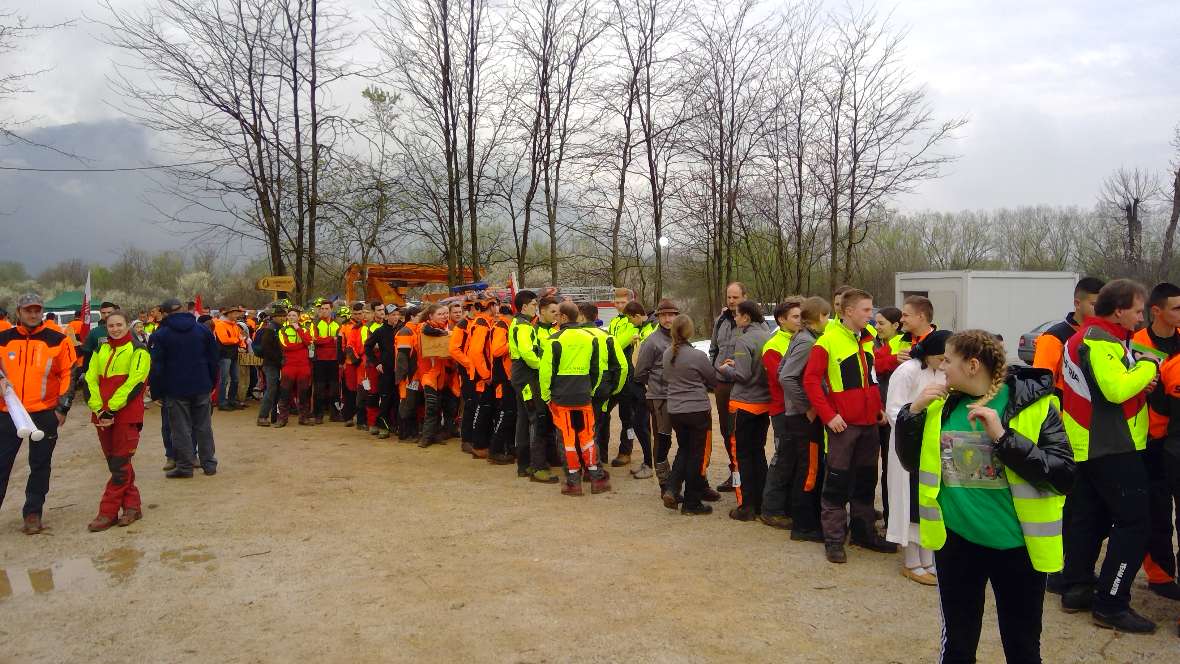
575 431
119 442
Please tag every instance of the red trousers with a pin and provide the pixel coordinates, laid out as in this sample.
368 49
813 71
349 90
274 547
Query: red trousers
575 430
119 442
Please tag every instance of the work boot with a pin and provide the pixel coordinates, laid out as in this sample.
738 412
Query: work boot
601 484
744 513
694 510
380 434
572 485
101 523
663 472
425 441
279 424
874 542
500 459
1126 621
1169 590
834 552
32 524
319 419
621 461
544 476
361 426
710 496
727 485
524 472
466 448
481 453
349 423
642 473
1077 598
263 422
1054 583
130 515
777 521
177 473
670 500
798 535
169 464
304 420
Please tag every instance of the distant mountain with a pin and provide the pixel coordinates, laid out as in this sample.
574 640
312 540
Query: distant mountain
47 217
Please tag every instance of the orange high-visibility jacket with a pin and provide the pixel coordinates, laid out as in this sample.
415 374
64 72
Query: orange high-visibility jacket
37 363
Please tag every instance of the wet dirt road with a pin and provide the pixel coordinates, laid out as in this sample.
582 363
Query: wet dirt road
322 544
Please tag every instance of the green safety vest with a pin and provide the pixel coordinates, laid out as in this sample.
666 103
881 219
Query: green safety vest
569 365
1039 512
778 342
609 353
846 370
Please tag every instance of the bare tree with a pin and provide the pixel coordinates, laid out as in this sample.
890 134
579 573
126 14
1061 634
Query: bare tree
1174 215
881 135
1124 195
225 79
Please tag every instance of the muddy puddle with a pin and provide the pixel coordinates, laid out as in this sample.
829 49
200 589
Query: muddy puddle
113 567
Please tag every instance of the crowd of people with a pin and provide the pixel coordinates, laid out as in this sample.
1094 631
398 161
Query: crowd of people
988 472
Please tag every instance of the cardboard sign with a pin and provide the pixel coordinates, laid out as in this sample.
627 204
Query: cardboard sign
436 346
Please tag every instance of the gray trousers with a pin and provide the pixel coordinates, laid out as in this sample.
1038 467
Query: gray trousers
851 481
191 421
271 395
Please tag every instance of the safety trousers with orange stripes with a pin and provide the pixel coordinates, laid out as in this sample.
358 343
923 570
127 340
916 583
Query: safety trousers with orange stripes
806 437
747 446
694 446
574 426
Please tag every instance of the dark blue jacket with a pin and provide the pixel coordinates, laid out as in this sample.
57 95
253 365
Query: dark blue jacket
184 358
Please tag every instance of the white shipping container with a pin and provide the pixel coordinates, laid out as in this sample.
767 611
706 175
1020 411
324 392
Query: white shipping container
1005 303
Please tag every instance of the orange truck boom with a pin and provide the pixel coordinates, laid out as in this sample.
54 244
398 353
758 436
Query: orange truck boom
388 282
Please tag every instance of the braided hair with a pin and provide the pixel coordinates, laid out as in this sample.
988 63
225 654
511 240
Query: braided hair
682 330
985 347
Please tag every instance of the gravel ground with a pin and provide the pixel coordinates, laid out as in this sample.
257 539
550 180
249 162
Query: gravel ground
323 544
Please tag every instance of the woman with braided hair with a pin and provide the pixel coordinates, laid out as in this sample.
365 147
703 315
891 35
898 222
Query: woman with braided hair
689 374
993 462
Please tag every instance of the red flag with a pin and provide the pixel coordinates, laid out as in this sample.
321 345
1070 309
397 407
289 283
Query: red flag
85 315
197 304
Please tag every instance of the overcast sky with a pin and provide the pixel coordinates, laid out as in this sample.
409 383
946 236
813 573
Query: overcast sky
1057 94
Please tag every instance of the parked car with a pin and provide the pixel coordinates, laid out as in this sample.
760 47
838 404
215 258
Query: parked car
1027 346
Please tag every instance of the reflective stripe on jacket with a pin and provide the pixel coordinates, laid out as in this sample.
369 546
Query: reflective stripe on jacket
116 377
37 363
1105 408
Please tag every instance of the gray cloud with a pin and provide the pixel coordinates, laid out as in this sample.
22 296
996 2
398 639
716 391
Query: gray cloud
1058 93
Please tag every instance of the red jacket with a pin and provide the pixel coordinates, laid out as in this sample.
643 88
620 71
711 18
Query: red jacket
324 334
295 341
858 401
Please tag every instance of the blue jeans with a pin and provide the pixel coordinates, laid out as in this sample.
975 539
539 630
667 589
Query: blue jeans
229 379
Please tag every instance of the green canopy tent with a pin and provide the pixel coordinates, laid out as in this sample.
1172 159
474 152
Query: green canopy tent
67 301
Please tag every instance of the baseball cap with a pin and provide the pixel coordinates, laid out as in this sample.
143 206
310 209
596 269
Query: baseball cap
171 305
29 300
390 308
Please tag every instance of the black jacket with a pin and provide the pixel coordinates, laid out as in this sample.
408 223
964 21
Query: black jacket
381 349
1046 463
266 342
